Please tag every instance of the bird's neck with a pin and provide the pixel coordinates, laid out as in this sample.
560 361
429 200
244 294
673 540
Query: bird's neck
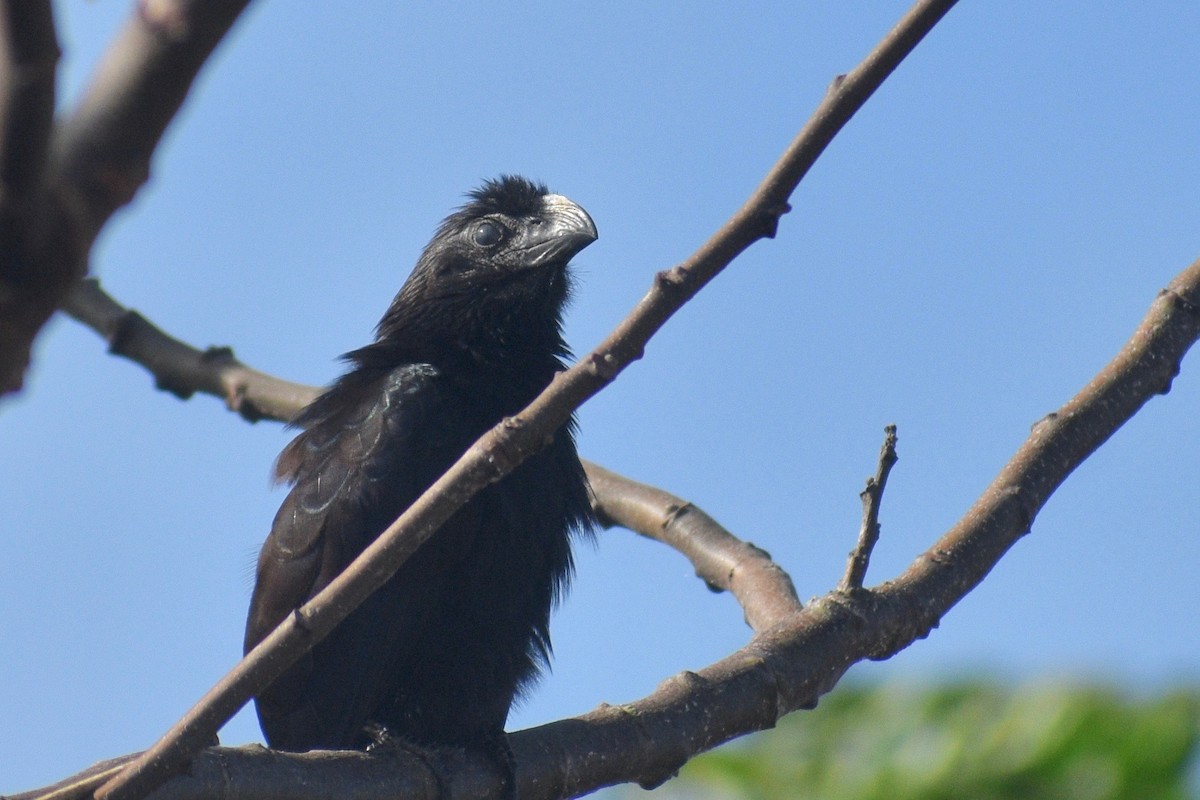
512 358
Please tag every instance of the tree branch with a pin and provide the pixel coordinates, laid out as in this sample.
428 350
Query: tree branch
102 151
726 563
1059 443
872 498
100 155
28 63
785 666
181 369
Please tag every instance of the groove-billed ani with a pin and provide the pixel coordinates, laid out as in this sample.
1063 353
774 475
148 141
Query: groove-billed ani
437 655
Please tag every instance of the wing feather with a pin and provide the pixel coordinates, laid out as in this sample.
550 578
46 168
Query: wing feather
352 474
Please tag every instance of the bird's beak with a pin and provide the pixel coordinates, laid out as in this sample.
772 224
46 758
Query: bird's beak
565 229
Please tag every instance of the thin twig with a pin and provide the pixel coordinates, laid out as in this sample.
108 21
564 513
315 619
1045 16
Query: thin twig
872 498
500 450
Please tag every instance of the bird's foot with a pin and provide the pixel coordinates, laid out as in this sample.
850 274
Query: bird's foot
377 736
494 748
380 738
499 753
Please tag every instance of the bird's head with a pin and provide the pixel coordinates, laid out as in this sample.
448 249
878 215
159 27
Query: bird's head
495 273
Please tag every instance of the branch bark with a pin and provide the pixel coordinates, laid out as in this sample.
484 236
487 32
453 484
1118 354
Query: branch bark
724 562
872 498
181 369
28 64
102 151
29 57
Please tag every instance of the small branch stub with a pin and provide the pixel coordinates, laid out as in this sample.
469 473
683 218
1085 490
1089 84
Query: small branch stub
872 497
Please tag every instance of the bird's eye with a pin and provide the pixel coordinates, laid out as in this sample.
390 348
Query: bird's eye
487 234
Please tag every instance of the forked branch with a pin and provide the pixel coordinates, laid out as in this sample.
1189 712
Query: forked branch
872 498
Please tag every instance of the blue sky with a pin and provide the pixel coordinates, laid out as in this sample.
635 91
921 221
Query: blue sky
981 239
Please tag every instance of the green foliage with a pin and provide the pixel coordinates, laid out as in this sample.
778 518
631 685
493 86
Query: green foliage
978 740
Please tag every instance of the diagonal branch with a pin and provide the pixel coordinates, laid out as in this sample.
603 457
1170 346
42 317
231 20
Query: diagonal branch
102 151
1058 444
784 667
500 450
99 156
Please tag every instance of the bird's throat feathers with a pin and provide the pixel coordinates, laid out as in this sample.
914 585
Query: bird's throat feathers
489 290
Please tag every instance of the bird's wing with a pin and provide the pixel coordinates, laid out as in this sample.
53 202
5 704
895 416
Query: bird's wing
353 472
342 467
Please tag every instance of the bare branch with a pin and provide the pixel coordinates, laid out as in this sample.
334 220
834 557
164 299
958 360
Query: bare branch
513 440
100 155
872 497
28 62
102 151
1146 365
724 562
181 369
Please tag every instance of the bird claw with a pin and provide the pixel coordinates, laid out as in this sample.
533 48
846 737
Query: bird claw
378 736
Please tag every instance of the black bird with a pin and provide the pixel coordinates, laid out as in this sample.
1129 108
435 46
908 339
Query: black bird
438 654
